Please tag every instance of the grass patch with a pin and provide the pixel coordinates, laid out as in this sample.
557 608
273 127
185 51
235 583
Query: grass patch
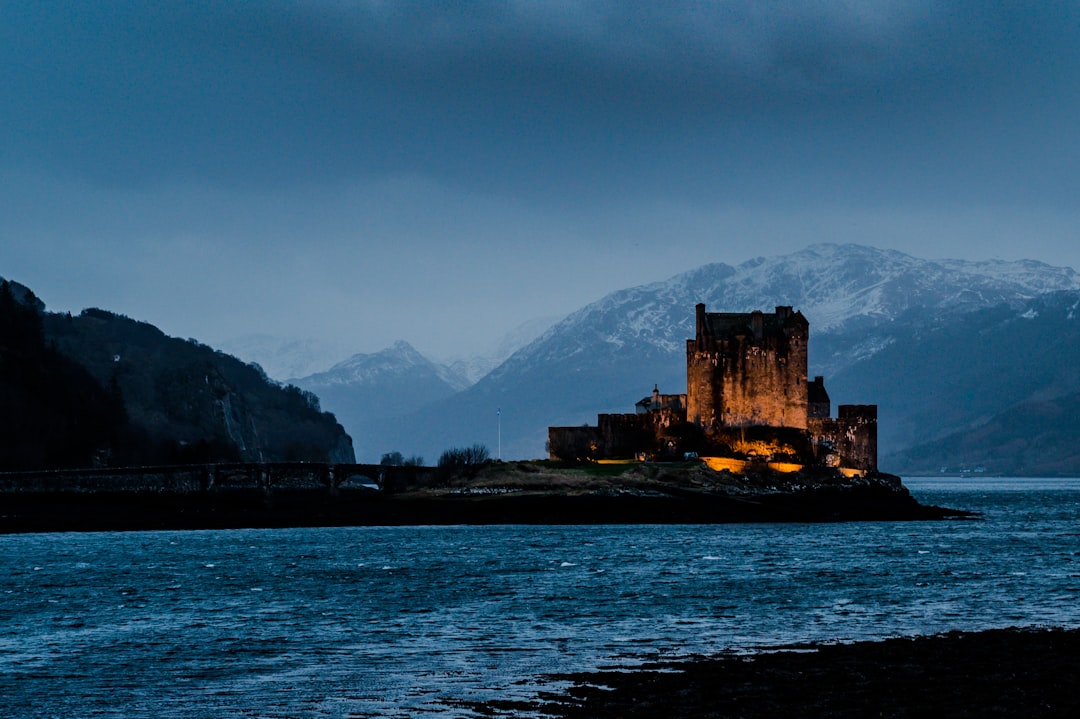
606 470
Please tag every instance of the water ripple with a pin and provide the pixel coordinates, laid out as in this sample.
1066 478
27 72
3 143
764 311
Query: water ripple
398 622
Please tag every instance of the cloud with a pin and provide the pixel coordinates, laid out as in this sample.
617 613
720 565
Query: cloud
331 91
471 165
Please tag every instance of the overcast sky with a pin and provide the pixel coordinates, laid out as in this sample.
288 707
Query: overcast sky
442 171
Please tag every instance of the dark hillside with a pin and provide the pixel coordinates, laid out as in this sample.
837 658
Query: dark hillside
1035 438
951 376
53 413
104 390
193 404
995 388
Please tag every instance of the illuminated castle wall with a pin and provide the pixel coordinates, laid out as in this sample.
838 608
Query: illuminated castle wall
745 370
747 394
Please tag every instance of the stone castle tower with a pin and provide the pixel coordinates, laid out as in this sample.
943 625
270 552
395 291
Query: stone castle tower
747 395
747 369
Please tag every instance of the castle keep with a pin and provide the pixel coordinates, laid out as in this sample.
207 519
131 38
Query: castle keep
747 370
747 397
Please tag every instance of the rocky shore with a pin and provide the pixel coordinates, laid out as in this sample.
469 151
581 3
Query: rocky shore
994 673
497 493
537 493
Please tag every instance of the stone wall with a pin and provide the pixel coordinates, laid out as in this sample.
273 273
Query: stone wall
574 444
748 370
851 437
619 436
623 436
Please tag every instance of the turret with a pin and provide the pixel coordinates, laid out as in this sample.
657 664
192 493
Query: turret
757 324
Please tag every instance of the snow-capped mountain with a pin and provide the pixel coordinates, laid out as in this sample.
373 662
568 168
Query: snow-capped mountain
476 367
282 358
841 289
859 301
286 359
367 389
399 360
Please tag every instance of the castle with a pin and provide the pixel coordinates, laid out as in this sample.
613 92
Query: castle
747 398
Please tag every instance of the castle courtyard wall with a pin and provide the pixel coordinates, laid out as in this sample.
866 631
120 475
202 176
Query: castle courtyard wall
850 439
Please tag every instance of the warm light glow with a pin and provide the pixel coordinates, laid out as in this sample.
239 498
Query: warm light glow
718 464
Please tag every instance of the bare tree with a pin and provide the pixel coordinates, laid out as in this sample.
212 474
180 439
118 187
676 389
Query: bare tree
463 460
392 459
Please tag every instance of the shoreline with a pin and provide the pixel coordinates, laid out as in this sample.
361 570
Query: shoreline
126 513
496 494
1010 672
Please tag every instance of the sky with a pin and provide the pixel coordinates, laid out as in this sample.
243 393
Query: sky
359 172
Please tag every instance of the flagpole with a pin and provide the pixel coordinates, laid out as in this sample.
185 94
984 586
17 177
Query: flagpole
498 415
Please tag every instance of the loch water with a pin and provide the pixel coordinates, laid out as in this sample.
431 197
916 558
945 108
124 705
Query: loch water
407 621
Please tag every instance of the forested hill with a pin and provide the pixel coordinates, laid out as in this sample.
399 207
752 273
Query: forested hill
53 413
100 388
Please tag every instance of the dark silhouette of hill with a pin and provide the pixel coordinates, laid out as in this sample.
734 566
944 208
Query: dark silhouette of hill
53 413
994 389
1032 438
100 388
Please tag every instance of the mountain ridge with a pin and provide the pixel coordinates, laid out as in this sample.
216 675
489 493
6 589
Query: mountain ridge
609 354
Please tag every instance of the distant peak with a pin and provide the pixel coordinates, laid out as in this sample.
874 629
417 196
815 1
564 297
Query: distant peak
403 349
400 351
